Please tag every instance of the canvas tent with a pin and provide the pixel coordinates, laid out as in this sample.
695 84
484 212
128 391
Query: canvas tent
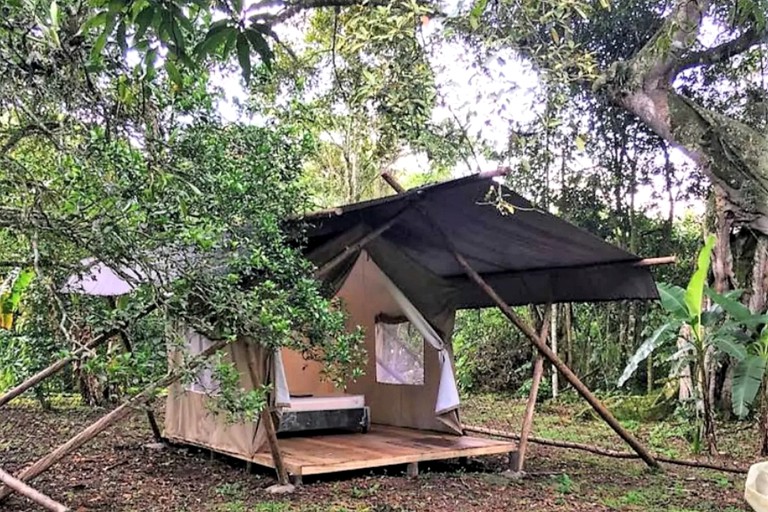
404 278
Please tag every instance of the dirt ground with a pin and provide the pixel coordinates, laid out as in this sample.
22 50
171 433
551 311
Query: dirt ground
116 472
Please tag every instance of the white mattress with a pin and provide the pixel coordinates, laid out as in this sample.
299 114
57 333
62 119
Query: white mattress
325 403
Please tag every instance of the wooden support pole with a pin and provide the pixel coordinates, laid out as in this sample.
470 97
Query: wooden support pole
540 344
277 455
553 331
266 418
362 242
110 419
538 371
62 363
559 365
33 494
650 262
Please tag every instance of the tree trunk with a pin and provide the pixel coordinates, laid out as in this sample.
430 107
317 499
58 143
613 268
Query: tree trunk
732 154
709 421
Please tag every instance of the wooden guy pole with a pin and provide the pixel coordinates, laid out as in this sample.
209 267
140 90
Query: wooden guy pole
33 494
359 244
571 377
530 407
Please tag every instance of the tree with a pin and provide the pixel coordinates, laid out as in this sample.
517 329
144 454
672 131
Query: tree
129 164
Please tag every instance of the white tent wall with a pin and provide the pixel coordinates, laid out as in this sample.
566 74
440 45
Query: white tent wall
366 293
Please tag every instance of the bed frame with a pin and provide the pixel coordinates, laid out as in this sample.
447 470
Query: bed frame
318 413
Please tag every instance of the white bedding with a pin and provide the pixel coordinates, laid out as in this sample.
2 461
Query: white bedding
325 403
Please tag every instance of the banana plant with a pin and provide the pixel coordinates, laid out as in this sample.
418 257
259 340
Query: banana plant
724 327
11 292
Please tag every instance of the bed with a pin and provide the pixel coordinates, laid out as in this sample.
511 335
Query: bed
314 413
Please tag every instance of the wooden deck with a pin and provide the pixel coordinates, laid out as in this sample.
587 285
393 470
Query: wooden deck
381 446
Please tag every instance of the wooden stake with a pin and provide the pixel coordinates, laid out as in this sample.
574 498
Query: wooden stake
538 370
540 344
33 494
62 363
110 419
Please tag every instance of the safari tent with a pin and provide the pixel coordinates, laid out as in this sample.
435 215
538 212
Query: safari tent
392 263
403 265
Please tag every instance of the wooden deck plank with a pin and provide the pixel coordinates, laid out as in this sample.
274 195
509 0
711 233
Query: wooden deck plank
382 446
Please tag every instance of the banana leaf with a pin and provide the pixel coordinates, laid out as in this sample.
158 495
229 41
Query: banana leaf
658 338
746 382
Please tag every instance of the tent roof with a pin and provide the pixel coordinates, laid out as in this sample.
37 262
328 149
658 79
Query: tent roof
526 254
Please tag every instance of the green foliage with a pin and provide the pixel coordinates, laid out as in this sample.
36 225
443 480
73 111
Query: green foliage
13 288
694 293
189 32
489 354
15 359
564 484
144 177
747 379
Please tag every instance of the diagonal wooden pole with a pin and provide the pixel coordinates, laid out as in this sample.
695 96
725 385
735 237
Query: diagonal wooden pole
531 334
553 358
59 365
110 419
359 244
33 494
538 371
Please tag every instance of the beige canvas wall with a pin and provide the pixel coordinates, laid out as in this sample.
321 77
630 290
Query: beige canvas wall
305 377
365 296
189 418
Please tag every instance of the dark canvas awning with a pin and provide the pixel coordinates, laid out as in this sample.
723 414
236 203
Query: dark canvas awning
528 255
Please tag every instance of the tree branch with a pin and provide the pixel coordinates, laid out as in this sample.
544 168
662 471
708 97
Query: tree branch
723 52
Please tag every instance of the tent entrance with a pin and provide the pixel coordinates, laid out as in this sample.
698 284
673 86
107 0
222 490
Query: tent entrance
381 446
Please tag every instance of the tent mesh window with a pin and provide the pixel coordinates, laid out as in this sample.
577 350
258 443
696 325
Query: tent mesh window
399 353
204 381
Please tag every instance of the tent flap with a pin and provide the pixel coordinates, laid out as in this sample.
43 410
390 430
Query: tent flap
448 393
